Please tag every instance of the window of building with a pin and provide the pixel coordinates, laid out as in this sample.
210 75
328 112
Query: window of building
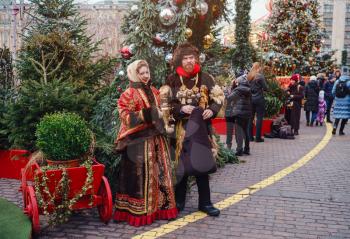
347 34
347 21
348 7
328 22
328 33
326 46
347 47
328 8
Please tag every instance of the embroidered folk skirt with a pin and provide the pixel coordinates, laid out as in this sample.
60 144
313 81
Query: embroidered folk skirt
145 189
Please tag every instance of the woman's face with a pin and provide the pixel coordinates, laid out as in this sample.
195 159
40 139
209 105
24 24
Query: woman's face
144 74
292 82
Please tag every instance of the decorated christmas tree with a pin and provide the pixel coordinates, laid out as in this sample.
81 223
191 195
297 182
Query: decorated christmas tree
295 37
155 27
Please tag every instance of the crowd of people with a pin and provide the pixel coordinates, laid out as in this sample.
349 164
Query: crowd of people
149 188
324 92
246 103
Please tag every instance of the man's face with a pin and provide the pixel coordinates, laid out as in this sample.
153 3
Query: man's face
188 62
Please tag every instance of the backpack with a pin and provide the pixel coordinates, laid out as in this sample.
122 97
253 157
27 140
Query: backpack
285 132
341 90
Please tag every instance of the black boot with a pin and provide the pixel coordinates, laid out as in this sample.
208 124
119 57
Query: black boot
239 152
329 119
229 146
342 126
246 151
210 210
334 131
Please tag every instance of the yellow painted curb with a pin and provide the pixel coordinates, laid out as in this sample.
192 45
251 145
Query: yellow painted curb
193 217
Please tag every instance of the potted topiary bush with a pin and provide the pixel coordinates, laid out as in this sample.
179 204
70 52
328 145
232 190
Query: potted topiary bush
71 180
63 138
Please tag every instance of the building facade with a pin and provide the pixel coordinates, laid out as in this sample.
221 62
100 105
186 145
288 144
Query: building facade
104 24
336 20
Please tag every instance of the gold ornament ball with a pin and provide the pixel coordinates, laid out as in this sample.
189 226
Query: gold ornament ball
188 32
206 46
209 38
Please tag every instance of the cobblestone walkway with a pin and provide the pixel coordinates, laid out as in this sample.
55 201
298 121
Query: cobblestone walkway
312 202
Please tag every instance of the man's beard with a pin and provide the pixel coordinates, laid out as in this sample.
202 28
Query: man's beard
189 67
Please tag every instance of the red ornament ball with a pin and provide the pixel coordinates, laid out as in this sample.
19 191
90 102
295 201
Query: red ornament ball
178 2
125 52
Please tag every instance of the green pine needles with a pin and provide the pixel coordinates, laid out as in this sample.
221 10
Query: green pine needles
56 69
63 136
242 57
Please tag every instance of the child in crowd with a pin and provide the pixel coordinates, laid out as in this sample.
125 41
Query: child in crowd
322 108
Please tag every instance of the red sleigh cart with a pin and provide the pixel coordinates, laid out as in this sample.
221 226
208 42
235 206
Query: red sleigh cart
99 195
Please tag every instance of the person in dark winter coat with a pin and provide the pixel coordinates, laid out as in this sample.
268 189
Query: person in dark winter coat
321 80
230 120
293 111
257 86
341 106
311 105
328 86
241 98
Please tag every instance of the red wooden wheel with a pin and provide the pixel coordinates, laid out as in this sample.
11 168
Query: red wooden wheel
23 186
105 208
31 209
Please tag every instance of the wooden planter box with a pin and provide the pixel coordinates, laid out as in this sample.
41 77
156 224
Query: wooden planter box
219 126
12 161
99 196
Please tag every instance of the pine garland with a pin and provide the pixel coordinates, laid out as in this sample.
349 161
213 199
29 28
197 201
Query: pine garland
242 57
57 205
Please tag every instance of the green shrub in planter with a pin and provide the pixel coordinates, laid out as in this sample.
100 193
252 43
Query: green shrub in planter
272 106
63 136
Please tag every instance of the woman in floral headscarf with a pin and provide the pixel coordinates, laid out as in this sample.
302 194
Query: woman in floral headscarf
145 190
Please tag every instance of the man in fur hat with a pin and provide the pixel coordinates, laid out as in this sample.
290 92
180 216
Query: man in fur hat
195 100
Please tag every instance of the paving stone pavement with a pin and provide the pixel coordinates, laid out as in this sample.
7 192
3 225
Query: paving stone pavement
312 202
